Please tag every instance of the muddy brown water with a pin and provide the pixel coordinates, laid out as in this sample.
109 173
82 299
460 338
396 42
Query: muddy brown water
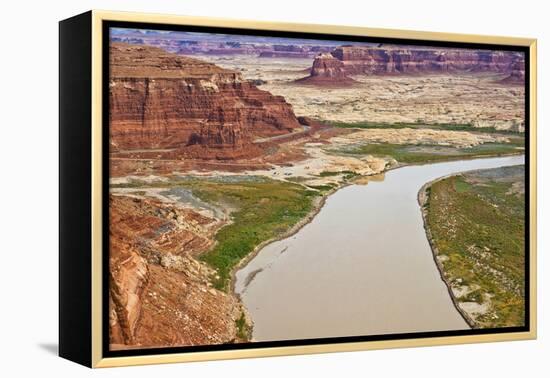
362 266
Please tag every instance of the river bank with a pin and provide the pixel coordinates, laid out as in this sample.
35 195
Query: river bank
319 203
474 222
423 202
317 206
281 209
248 321
294 275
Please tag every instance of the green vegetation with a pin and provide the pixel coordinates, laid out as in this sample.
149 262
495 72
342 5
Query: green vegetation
243 330
421 125
346 174
322 188
329 173
297 179
477 220
418 154
264 210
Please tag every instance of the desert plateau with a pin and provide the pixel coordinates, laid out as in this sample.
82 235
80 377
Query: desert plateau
253 180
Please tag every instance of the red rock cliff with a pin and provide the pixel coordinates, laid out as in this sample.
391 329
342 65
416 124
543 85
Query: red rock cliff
355 60
159 294
517 74
327 69
162 100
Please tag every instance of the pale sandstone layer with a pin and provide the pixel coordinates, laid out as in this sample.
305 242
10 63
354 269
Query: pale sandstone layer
469 99
458 139
480 99
393 60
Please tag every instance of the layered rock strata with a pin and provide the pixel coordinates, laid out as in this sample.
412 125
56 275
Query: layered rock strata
327 70
517 74
160 100
159 294
344 61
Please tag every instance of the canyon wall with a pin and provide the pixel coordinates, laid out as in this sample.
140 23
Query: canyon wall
327 70
345 61
160 100
517 74
159 294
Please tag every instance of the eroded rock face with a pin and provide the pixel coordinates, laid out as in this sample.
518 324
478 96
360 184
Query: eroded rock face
356 60
127 280
327 69
159 294
160 100
517 74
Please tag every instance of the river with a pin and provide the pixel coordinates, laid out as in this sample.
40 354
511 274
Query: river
362 266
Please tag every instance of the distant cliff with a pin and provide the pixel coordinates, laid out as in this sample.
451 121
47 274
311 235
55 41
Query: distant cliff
336 67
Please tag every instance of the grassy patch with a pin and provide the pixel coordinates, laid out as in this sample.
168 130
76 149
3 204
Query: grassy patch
479 224
297 179
461 186
243 330
329 173
417 154
323 188
420 125
346 174
264 211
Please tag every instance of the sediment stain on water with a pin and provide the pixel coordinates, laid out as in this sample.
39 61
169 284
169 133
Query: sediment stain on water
362 266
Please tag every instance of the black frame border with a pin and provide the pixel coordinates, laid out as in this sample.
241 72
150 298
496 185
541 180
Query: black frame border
106 352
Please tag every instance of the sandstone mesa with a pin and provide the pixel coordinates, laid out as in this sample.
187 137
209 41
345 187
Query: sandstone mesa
161 100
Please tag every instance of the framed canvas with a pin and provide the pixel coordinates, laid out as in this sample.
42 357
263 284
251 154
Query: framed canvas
236 189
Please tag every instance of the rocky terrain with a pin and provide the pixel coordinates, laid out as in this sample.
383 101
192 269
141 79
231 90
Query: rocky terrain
160 295
327 70
204 149
458 139
344 61
222 44
517 74
442 98
160 100
424 99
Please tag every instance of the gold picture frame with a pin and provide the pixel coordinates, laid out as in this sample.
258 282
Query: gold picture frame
90 267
